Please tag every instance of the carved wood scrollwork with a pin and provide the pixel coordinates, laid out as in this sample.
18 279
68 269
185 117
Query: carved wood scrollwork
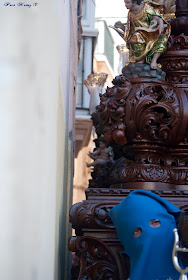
176 64
97 261
146 117
145 112
112 110
150 173
155 113
88 215
177 43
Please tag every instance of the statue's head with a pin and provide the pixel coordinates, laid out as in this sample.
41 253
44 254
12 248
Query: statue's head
129 3
102 142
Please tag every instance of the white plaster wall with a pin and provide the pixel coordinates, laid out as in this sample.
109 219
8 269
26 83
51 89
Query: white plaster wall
34 105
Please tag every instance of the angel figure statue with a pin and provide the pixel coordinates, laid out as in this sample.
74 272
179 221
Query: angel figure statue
101 155
146 32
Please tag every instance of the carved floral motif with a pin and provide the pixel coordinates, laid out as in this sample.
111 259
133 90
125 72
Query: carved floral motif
150 173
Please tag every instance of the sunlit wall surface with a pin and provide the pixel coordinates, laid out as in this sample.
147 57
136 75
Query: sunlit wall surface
38 63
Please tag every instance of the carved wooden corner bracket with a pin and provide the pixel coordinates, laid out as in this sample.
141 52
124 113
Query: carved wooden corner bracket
96 260
91 215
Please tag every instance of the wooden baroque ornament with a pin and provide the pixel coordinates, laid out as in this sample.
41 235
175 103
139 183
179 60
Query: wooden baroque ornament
86 214
97 261
112 110
96 247
144 120
175 60
148 119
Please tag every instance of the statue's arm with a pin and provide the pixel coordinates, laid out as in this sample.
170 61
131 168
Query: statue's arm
160 24
120 25
94 154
